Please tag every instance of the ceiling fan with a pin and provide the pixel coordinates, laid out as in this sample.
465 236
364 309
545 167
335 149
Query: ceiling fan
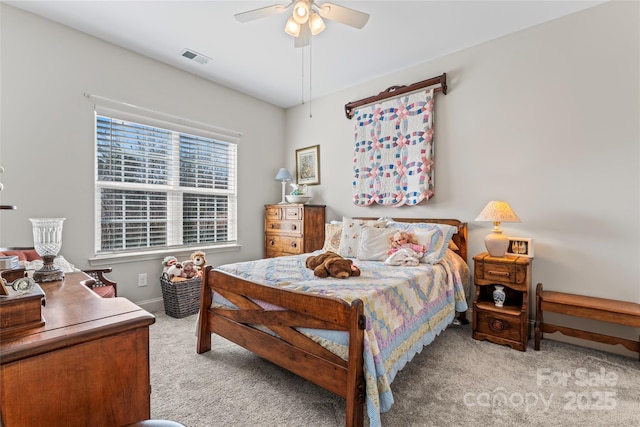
306 18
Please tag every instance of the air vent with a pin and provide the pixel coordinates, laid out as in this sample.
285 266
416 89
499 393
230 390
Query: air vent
195 56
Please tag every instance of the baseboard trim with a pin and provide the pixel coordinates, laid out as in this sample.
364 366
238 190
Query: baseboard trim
152 305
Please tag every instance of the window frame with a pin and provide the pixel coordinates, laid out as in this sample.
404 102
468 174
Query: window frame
176 125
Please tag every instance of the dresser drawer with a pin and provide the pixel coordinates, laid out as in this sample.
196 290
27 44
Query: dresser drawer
289 227
498 325
283 244
285 212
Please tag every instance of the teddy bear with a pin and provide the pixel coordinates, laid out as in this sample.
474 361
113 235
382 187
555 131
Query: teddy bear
189 270
331 264
198 258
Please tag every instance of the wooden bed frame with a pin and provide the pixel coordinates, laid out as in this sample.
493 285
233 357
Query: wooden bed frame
290 349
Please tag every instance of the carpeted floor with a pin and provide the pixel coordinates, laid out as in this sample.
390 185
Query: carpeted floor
456 381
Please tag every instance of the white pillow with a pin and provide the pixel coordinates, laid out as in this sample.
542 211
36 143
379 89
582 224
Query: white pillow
374 243
350 238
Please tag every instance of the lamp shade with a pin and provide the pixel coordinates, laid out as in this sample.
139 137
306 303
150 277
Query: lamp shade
292 28
497 212
283 175
316 24
301 11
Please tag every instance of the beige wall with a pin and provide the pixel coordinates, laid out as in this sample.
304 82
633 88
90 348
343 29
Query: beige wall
547 119
47 136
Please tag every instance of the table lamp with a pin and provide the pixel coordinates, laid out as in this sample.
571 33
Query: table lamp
283 176
497 212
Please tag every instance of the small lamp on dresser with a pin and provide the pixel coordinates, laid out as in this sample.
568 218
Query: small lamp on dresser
497 212
283 176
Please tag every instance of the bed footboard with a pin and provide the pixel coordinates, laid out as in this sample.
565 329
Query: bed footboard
285 346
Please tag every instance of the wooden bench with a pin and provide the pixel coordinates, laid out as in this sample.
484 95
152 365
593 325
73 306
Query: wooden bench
602 309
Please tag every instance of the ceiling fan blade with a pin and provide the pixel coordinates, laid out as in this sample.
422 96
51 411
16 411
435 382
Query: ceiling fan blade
344 15
304 37
262 12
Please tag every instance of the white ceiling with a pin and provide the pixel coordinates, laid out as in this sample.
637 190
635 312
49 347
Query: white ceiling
259 59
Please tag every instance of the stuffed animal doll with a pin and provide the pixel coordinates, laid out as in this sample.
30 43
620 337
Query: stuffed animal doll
340 268
404 250
175 272
404 240
331 264
189 270
198 258
167 262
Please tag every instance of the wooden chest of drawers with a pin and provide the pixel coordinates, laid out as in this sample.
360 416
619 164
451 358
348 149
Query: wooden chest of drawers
507 325
291 229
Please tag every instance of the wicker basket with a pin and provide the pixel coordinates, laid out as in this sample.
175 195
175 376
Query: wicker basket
181 299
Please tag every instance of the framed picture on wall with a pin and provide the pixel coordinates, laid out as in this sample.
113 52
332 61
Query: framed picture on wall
520 246
308 165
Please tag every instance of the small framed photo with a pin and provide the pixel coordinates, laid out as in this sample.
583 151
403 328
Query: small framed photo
308 165
520 246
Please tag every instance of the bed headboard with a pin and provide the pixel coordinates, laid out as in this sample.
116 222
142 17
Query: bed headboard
459 238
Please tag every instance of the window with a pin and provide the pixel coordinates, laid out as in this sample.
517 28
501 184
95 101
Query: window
161 187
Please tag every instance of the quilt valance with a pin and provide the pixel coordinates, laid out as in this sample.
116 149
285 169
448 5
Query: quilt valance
393 154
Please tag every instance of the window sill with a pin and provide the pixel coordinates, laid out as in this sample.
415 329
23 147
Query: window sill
110 259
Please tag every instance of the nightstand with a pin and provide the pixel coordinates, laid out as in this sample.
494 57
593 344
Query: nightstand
292 229
507 325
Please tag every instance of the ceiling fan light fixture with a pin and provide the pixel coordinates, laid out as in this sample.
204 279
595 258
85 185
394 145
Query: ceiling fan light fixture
316 24
301 11
292 27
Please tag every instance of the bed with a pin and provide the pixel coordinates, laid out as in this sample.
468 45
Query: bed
349 336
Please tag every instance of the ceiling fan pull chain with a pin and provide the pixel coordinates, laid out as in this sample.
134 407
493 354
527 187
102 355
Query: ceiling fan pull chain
310 76
302 78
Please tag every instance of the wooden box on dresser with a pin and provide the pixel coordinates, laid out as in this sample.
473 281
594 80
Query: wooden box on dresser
291 229
507 325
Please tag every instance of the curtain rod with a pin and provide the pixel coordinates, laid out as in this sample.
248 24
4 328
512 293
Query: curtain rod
179 119
394 91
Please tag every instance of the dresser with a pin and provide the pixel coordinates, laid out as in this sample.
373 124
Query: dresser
506 324
87 365
291 229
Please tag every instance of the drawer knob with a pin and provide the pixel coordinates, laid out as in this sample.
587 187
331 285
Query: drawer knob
272 242
294 227
497 325
294 244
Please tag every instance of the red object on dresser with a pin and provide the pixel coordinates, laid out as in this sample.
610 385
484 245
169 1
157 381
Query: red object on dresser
103 286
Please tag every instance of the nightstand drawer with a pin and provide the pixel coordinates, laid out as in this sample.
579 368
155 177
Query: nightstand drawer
283 244
501 273
289 227
498 325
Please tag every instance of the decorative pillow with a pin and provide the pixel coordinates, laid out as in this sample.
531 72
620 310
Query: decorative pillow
332 234
374 243
350 238
435 237
22 254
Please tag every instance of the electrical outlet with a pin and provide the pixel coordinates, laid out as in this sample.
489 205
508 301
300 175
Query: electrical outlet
142 279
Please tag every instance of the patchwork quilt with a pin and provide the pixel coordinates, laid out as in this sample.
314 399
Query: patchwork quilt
406 307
